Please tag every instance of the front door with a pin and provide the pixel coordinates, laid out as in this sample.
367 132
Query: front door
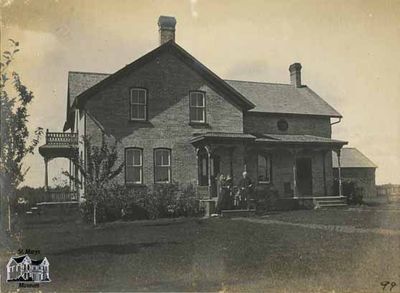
304 176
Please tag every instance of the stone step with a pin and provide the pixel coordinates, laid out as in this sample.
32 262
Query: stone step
238 213
331 205
330 201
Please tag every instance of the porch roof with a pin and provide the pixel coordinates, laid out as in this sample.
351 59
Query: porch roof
267 138
222 136
297 139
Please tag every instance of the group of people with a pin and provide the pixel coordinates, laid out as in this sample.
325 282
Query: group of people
230 197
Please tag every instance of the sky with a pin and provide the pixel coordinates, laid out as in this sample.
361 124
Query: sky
349 50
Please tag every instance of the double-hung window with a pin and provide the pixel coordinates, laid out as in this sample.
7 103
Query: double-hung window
264 168
197 105
162 165
138 104
134 165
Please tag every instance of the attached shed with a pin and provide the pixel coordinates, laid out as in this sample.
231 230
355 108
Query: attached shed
356 167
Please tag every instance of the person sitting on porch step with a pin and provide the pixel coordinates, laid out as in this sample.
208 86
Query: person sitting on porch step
246 191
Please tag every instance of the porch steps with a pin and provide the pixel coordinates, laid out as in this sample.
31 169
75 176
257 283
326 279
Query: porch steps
238 213
330 202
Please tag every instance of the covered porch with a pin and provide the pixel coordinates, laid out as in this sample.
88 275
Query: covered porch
219 154
297 166
60 145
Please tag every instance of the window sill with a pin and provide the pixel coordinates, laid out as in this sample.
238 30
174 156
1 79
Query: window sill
135 184
138 121
199 124
264 182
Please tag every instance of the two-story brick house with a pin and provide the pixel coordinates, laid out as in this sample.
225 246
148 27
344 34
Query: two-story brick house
175 120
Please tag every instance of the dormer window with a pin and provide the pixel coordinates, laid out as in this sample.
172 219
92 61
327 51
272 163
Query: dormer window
138 104
197 107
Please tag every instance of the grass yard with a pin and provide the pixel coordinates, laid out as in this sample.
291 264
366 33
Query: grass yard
221 254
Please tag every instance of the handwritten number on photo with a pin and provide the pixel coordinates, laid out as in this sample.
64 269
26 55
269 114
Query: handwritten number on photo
387 284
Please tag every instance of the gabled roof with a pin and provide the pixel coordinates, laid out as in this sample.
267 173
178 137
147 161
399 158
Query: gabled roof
37 262
352 158
19 259
283 98
254 96
78 82
184 56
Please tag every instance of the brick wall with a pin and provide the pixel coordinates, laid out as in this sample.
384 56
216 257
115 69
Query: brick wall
282 169
168 81
298 124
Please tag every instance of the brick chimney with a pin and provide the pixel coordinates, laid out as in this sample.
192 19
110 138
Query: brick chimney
166 26
295 74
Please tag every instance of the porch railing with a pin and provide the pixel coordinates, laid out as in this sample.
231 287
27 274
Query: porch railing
57 138
60 196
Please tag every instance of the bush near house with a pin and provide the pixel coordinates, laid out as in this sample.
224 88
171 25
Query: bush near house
268 199
141 202
351 191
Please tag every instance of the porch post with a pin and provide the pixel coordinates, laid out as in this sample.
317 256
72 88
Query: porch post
339 173
294 173
324 171
46 175
70 182
231 162
209 170
198 166
244 158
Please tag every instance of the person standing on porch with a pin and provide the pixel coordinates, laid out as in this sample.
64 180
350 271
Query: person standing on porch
224 201
246 190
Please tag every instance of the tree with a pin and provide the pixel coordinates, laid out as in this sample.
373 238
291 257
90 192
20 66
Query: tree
15 98
97 171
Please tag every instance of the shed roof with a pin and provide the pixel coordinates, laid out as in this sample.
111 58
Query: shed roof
352 158
222 135
297 139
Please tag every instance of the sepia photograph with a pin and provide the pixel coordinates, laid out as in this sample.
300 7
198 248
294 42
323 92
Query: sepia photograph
200 146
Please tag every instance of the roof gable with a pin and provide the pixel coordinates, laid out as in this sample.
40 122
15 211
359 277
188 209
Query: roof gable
253 96
283 98
352 158
78 82
171 47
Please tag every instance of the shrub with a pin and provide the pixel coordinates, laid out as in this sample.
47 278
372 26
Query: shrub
31 195
352 192
266 198
137 203
172 200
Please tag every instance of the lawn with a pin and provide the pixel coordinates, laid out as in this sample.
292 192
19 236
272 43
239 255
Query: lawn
222 254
